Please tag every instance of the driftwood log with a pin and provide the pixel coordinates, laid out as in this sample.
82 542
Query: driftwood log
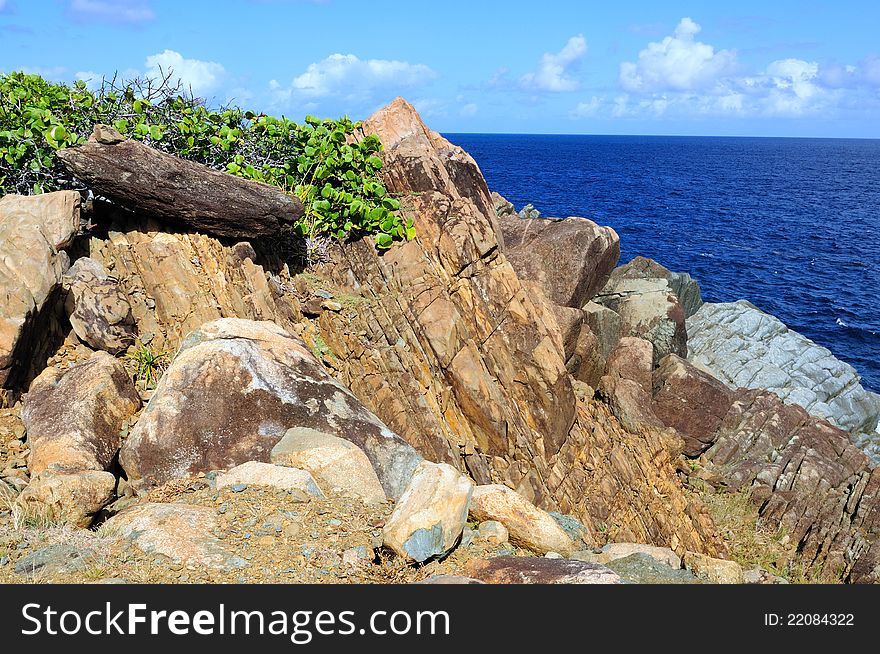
178 191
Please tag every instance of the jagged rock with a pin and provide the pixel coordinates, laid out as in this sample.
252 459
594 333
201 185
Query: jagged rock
179 191
605 324
68 497
745 347
74 417
34 231
685 287
337 464
231 394
502 206
570 259
529 212
691 401
806 477
181 532
255 473
715 571
429 517
527 570
528 526
99 311
648 309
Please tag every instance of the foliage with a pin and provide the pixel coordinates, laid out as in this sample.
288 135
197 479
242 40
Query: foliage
148 365
322 162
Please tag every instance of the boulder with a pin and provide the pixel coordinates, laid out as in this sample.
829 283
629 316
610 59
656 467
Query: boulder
182 532
649 309
336 464
232 393
613 551
529 526
685 287
640 568
74 417
255 473
569 259
715 571
98 309
34 231
632 359
428 519
502 206
72 498
528 570
605 324
691 401
745 347
493 531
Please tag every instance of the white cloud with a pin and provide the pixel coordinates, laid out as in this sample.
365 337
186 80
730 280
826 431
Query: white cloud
677 63
347 76
553 72
201 76
587 109
469 109
114 11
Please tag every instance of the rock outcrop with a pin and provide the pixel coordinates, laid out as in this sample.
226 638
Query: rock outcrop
34 233
98 309
745 347
685 287
231 394
571 259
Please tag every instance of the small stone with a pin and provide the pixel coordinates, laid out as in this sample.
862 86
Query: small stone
223 508
321 293
553 555
493 531
357 556
331 305
238 488
716 571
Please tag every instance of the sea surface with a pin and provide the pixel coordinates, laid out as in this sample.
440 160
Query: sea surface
793 225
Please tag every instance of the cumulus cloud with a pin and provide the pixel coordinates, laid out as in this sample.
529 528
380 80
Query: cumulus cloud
553 72
677 63
112 11
202 77
347 76
588 109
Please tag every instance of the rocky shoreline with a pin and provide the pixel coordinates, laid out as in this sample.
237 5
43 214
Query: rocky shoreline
494 401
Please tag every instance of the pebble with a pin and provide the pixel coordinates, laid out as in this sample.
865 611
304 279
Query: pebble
323 294
223 508
4 560
238 488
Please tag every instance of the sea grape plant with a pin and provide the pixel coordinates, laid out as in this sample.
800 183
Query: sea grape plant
334 174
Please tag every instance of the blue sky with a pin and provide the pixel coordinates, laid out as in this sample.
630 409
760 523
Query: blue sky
764 68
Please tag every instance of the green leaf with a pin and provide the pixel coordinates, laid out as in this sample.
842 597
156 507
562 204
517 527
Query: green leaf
384 241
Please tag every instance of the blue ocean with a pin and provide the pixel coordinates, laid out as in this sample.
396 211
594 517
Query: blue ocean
793 225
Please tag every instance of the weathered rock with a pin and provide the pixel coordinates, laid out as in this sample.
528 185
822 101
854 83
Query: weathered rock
181 532
527 570
685 287
99 311
74 417
745 347
574 528
59 558
493 531
605 324
641 568
255 473
179 191
231 394
691 401
632 359
337 464
502 206
716 571
570 259
529 526
428 519
648 309
34 231
807 478
614 551
68 497
629 403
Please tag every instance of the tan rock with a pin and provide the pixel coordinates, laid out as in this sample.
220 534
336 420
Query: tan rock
528 570
529 526
614 551
428 519
182 532
716 571
100 313
68 498
34 231
256 473
336 464
74 417
493 531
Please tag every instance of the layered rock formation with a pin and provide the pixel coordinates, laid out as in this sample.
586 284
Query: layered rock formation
745 347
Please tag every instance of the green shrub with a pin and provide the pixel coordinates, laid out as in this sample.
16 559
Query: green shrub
320 161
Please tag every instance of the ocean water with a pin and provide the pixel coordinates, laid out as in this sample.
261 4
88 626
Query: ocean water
793 225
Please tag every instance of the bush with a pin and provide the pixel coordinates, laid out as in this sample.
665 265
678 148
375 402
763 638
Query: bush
320 161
